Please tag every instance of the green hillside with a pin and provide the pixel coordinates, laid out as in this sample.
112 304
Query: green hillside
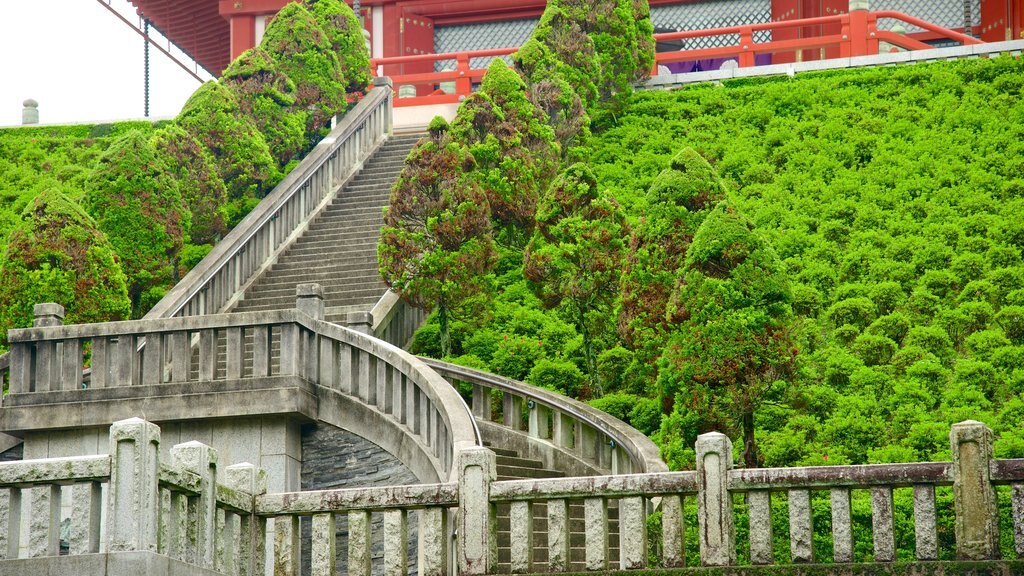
892 198
35 158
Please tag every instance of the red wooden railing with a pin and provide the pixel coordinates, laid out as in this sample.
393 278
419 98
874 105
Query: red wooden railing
859 36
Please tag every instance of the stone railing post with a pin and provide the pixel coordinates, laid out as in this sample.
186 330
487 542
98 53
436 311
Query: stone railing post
361 322
714 504
977 520
477 545
47 314
251 551
201 460
309 299
133 500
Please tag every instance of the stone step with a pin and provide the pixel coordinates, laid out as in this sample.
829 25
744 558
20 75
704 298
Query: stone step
520 473
329 264
331 291
505 460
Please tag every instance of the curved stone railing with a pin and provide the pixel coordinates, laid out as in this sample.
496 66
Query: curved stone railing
394 320
235 365
602 441
216 283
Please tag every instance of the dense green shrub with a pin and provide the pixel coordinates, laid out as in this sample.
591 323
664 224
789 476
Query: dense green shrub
346 37
514 149
436 244
135 201
267 97
57 254
212 116
303 52
193 168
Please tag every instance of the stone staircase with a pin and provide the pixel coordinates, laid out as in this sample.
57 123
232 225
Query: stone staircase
511 466
339 249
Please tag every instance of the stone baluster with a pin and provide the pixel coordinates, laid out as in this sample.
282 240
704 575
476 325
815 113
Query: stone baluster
433 542
359 546
252 529
10 522
44 522
323 553
201 460
672 530
558 535
977 520
925 532
521 536
759 503
48 362
86 503
882 524
396 543
512 411
132 501
632 533
1017 497
717 534
595 515
476 520
842 526
482 402
801 527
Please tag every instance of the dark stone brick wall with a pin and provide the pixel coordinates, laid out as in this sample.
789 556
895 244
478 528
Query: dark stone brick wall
335 458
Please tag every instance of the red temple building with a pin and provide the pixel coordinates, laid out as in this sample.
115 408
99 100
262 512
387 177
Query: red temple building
213 32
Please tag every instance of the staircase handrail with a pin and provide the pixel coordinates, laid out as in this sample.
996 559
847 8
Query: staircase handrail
643 453
214 284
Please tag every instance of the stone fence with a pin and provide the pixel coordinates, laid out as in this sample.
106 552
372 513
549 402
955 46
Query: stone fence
112 514
235 365
195 516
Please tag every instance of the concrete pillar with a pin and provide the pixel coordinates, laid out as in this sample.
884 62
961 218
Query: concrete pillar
30 112
132 503
361 322
717 534
477 547
323 554
632 533
433 536
359 548
47 314
672 530
977 520
251 553
309 299
201 460
558 535
396 543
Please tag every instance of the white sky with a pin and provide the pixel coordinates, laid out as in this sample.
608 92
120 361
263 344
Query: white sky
82 64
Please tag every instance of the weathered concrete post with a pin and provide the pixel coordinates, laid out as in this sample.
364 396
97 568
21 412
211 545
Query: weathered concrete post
361 322
251 552
977 520
30 112
478 548
309 299
717 534
47 314
133 500
201 460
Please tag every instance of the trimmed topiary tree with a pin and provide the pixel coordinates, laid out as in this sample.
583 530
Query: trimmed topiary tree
303 52
346 37
212 116
55 253
675 205
135 200
513 146
574 259
192 167
734 342
436 247
267 97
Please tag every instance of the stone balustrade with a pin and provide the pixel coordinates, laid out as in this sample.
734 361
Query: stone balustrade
206 520
569 427
129 503
234 365
215 284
